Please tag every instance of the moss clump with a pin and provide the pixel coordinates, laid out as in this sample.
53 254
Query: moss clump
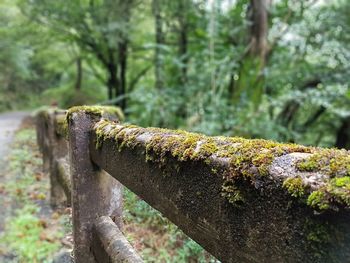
61 126
307 165
336 190
330 161
318 199
294 186
232 194
248 160
343 181
43 112
118 133
98 111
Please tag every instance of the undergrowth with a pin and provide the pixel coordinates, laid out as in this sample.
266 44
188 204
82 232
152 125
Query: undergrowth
155 237
32 232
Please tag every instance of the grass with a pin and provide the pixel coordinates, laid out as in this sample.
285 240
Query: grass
32 231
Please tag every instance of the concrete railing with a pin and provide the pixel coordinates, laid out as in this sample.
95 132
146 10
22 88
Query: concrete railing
242 200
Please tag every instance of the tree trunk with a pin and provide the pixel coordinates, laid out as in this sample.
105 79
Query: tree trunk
112 82
343 135
183 40
250 82
159 38
259 29
123 56
79 74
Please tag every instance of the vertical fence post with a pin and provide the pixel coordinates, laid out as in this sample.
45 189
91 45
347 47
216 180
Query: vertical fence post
42 137
95 193
57 150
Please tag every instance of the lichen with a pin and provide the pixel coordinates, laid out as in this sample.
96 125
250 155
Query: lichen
247 160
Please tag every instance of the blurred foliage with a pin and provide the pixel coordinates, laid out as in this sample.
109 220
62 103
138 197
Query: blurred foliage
197 75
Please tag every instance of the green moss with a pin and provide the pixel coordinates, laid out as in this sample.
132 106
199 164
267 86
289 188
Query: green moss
336 190
318 199
318 236
333 162
307 165
232 194
294 186
248 160
343 181
98 111
43 112
339 189
61 126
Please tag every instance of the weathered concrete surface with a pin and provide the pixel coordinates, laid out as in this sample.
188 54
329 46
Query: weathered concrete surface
58 151
94 192
110 245
268 225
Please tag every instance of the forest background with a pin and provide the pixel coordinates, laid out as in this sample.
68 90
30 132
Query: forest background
253 68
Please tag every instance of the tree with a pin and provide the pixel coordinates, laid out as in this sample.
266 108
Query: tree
98 28
250 81
159 43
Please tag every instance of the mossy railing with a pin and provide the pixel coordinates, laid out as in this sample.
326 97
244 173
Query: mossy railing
96 237
242 200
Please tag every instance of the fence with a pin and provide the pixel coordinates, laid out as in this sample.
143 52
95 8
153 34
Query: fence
242 200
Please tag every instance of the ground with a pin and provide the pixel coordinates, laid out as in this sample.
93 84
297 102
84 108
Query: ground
9 123
31 231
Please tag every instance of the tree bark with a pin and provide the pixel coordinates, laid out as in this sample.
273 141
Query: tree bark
183 40
112 82
343 134
123 56
159 38
79 74
259 29
250 82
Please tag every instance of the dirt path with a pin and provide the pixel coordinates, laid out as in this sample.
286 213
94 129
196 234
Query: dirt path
9 123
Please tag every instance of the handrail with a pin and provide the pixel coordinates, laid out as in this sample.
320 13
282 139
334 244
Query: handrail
242 200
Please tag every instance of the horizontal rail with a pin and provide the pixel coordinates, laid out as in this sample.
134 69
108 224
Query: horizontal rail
242 200
110 245
63 176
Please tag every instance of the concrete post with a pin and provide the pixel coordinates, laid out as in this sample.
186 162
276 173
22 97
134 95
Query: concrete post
57 149
95 193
